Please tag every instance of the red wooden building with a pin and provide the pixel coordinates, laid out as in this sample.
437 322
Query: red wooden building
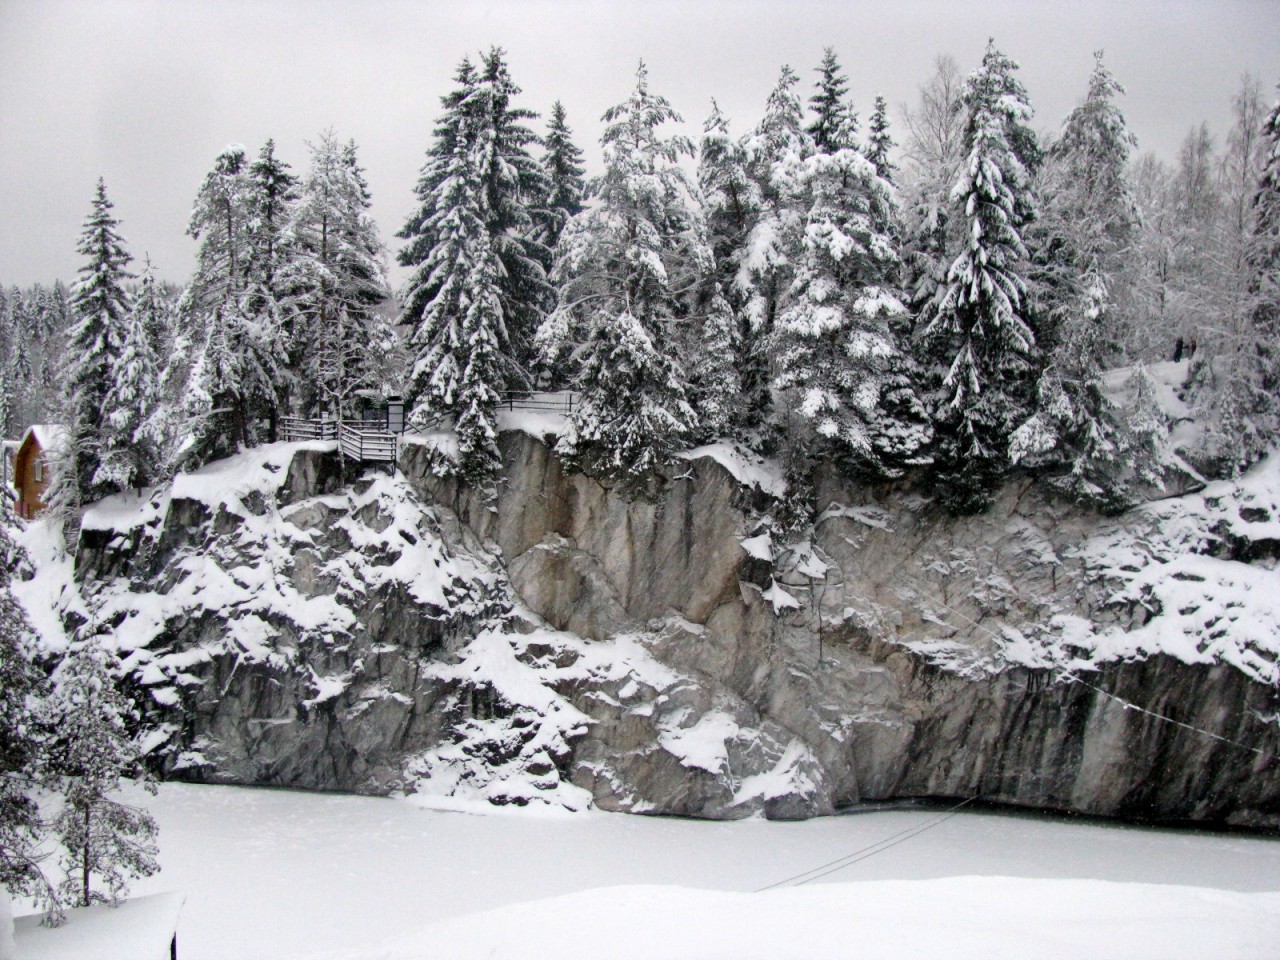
31 468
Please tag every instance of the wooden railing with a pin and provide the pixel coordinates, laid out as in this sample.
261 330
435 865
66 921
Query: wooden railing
358 440
366 442
293 429
562 401
370 442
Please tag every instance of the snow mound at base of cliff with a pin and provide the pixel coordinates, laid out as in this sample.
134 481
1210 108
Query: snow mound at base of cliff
509 741
983 918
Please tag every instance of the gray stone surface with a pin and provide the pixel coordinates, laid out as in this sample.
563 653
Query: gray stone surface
885 681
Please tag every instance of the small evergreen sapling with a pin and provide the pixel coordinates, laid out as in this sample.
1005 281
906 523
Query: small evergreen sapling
880 142
90 751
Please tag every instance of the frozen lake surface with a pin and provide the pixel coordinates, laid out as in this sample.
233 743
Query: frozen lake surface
278 874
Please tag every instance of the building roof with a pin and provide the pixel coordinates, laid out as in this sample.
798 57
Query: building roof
139 929
47 435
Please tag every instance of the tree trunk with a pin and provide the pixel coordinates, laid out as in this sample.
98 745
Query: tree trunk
84 861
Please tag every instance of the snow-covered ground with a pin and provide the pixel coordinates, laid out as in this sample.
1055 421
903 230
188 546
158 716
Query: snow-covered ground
278 874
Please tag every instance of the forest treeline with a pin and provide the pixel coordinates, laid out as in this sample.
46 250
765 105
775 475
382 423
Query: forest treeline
954 301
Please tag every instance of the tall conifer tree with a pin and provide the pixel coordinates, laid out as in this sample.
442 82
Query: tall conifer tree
976 329
100 307
1076 439
129 454
271 192
479 287
880 141
562 164
628 268
773 155
335 278
732 201
224 302
837 340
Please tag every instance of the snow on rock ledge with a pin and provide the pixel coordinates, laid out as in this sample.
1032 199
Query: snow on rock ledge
570 643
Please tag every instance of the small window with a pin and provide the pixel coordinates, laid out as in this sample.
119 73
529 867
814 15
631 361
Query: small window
38 470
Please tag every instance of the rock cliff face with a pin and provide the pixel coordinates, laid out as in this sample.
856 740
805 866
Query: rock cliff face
895 656
574 642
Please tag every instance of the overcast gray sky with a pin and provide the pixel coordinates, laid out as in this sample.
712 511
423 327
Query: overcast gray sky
146 92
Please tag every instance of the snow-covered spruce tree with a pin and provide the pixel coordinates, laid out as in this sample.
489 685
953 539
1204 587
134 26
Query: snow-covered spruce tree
715 379
562 164
516 191
271 191
479 288
628 268
129 455
1076 439
202 432
731 201
154 311
21 683
836 342
90 751
335 278
460 337
974 330
880 141
15 370
100 307
772 157
835 125
562 161
8 344
382 363
219 294
208 410
219 221
730 197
